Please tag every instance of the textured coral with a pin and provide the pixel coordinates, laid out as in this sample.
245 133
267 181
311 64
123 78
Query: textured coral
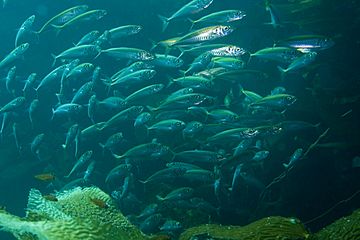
265 229
77 214
346 228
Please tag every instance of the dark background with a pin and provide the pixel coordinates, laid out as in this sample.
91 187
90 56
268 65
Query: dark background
325 179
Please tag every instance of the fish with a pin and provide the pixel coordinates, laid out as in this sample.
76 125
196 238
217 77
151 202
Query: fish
13 105
134 78
200 63
228 51
81 52
168 126
225 16
307 43
128 114
64 16
84 93
278 101
149 150
227 63
299 62
279 54
204 35
123 31
140 95
166 61
177 194
199 156
45 177
88 38
83 160
133 54
24 29
274 18
86 16
185 101
295 157
118 172
194 6
15 54
10 81
142 119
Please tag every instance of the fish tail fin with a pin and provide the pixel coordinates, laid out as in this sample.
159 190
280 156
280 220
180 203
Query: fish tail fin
54 61
153 45
182 52
159 198
192 23
165 21
283 72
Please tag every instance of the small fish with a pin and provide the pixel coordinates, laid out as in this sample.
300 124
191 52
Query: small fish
299 62
166 61
192 129
200 63
45 177
130 113
275 21
113 142
134 54
242 147
36 143
151 224
196 83
177 194
88 38
89 171
294 158
83 17
67 110
136 66
171 226
134 78
221 17
81 70
180 92
260 155
198 49
191 8
118 172
15 54
147 150
29 84
168 126
84 93
279 54
229 63
81 52
123 31
307 43
204 35
13 105
84 159
64 16
199 156
10 81
71 135
140 95
279 101
228 51
99 202
24 29
186 101
142 119
50 197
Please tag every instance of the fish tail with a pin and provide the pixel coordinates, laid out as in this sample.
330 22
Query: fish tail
159 198
283 71
165 21
192 23
153 45
54 61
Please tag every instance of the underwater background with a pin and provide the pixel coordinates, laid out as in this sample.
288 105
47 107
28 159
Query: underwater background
327 98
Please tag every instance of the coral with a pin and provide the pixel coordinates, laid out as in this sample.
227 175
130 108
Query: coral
265 229
81 213
346 228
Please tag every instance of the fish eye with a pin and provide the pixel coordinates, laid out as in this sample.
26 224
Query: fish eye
226 28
